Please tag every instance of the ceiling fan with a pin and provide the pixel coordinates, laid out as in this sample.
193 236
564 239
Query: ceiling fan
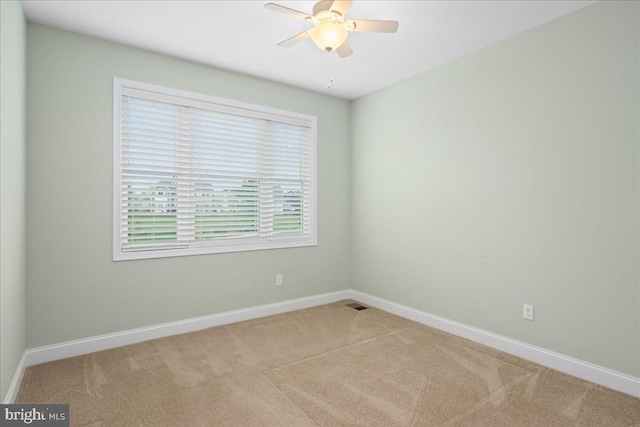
331 27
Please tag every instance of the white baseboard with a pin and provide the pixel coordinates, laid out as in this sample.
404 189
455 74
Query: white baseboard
14 387
587 371
578 368
63 350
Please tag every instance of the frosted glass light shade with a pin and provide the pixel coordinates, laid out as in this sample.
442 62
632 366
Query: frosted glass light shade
328 36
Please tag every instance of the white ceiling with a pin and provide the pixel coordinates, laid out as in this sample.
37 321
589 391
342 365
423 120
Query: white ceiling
242 35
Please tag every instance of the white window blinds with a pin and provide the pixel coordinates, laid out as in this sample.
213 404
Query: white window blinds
201 175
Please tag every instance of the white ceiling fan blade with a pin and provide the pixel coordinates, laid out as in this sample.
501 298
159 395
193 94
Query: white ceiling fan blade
321 6
374 26
287 11
341 6
344 50
295 39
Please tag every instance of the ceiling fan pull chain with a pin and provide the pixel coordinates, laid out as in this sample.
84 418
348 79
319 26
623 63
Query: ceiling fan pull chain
330 73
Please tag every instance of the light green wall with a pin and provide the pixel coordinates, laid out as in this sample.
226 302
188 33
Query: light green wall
75 290
511 176
12 191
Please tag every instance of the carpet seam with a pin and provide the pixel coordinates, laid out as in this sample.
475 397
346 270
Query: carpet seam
338 349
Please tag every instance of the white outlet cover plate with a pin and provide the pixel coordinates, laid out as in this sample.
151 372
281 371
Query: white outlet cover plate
527 311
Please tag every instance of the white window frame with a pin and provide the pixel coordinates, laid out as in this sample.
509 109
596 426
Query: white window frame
211 246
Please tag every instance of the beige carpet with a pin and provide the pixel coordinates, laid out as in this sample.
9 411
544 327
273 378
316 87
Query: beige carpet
329 365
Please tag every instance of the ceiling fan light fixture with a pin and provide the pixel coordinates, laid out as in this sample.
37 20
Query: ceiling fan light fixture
328 36
331 26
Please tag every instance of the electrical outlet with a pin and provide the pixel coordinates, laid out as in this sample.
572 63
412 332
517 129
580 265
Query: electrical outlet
279 279
527 311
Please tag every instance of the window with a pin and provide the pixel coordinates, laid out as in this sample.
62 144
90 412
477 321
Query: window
195 174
